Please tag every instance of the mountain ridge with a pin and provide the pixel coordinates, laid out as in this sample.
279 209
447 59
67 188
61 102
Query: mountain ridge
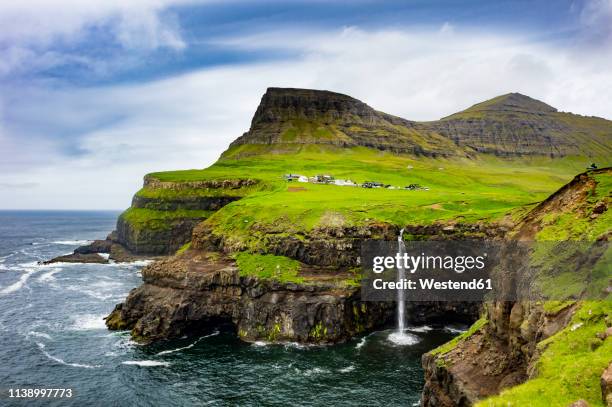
507 125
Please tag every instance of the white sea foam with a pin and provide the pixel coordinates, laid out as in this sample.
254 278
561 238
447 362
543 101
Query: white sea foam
49 275
3 258
420 329
19 284
315 371
73 242
261 343
167 352
347 369
145 363
454 330
88 322
403 339
40 335
362 342
41 346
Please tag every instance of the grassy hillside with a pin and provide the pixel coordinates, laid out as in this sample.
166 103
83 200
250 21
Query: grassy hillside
459 189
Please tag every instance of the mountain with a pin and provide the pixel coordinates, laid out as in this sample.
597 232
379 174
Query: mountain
306 116
511 125
515 125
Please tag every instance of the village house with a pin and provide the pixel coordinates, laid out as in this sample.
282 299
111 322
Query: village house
291 177
345 183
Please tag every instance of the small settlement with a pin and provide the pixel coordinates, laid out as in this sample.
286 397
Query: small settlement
330 180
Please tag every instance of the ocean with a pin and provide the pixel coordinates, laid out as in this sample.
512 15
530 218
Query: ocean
52 335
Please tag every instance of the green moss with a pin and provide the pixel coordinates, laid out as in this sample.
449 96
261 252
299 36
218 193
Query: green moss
115 322
450 345
140 218
274 332
184 248
268 266
318 332
553 307
570 364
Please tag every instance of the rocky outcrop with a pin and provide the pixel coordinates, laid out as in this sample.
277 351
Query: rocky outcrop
192 292
155 241
164 213
198 291
504 352
335 246
100 252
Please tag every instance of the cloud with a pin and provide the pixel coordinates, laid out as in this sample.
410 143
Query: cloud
90 147
37 35
596 22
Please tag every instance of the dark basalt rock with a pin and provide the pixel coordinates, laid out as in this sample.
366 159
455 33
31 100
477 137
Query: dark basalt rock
97 246
188 294
78 258
191 293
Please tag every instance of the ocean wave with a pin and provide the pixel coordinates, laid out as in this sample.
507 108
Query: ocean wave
87 322
41 346
347 369
73 242
314 371
145 363
18 285
3 258
40 335
98 294
49 275
403 339
362 342
167 352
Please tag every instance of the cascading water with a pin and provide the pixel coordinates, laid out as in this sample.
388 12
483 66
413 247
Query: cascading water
401 274
400 337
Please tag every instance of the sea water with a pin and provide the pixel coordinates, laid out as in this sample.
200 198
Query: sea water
52 335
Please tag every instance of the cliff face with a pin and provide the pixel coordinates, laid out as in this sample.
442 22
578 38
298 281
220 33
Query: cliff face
164 213
510 345
204 288
305 116
509 125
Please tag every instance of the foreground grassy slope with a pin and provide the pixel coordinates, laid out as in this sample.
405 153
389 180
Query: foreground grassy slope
572 361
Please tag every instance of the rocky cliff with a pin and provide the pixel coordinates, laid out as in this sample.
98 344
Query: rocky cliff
304 116
545 345
204 287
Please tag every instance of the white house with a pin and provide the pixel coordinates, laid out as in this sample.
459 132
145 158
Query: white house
345 183
303 178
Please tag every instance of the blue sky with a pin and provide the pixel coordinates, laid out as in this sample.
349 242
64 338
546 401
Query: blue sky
93 95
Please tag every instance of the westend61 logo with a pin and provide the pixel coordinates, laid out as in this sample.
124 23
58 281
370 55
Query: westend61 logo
478 270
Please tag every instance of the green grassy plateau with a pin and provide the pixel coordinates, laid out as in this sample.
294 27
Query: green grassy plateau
465 189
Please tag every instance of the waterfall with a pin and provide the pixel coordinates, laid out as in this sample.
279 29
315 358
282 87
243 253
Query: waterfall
400 336
401 274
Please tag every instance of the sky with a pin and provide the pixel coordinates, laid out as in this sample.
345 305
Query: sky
94 95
